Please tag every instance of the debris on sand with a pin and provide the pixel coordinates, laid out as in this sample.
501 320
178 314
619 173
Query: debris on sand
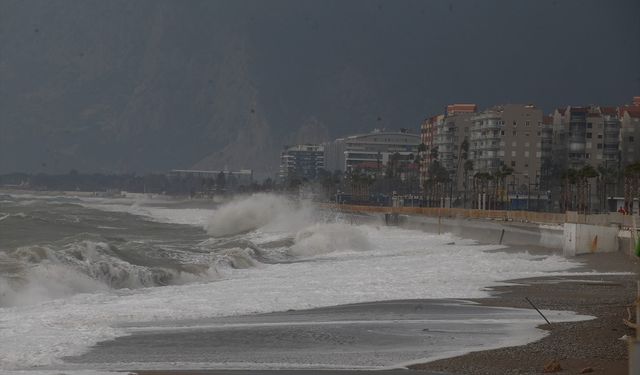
553 366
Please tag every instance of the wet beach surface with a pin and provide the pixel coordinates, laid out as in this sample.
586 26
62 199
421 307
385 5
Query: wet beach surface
597 344
379 335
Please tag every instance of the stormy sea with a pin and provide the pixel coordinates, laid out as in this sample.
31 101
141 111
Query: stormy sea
92 285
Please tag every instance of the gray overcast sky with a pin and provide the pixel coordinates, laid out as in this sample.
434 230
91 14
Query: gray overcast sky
141 86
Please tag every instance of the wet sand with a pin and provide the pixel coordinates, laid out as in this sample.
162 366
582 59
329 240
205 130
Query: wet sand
372 336
577 346
379 333
284 372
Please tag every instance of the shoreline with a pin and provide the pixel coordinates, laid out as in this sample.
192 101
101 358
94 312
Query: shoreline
577 346
594 344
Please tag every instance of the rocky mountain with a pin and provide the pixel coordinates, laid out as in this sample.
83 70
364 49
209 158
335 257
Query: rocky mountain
140 86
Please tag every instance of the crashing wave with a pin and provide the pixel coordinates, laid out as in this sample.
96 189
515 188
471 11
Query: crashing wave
33 273
267 211
328 238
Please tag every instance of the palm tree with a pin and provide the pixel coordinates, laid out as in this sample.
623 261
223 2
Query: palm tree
500 176
463 154
569 178
631 182
437 177
481 184
608 176
467 167
584 175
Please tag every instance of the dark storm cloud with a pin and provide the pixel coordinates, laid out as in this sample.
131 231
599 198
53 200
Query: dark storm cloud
135 85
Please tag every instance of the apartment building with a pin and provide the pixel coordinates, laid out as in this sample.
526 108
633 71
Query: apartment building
427 137
371 151
630 133
301 161
513 135
443 136
589 135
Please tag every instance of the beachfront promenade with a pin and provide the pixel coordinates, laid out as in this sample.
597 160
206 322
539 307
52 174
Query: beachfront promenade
607 219
572 232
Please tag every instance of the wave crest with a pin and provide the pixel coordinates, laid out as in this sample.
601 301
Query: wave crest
34 273
256 211
328 238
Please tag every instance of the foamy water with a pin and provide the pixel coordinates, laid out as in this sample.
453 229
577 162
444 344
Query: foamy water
344 264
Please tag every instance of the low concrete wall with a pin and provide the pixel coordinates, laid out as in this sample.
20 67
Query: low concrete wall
490 232
586 239
584 234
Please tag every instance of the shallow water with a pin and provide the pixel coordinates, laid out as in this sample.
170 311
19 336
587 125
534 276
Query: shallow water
76 271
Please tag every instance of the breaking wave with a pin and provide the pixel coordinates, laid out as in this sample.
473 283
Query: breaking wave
245 233
328 238
35 273
268 211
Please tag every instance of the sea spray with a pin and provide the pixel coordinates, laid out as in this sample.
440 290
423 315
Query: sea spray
269 211
327 238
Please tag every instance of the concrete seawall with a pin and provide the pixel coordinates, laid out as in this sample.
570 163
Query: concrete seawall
571 233
491 232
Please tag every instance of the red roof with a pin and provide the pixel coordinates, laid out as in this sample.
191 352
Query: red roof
547 120
608 110
633 112
461 108
579 110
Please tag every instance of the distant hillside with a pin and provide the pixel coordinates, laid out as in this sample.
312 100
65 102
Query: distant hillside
140 86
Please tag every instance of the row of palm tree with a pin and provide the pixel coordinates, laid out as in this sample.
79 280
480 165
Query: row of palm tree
492 185
576 188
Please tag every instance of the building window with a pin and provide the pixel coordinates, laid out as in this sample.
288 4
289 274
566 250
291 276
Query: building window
587 155
513 163
526 154
588 135
515 133
599 136
589 125
527 123
513 154
526 165
514 144
515 124
630 138
501 132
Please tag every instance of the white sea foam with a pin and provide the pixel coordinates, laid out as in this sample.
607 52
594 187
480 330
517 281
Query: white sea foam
36 273
267 211
187 216
396 264
348 264
320 239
